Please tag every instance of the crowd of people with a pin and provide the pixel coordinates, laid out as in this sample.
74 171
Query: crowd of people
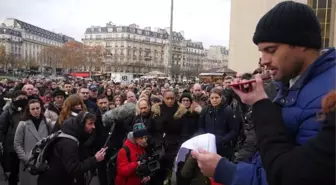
129 134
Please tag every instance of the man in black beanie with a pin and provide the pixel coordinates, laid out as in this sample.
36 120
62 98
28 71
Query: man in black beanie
289 38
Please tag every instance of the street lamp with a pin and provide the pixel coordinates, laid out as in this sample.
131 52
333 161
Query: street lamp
170 52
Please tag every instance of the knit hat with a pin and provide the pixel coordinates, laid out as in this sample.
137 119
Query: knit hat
139 130
289 23
186 94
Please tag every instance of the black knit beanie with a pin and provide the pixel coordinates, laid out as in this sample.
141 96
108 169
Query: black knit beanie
289 23
186 95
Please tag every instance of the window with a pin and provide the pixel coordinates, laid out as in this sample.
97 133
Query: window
322 3
119 29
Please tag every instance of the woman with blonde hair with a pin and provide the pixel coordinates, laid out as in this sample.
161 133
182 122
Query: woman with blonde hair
71 107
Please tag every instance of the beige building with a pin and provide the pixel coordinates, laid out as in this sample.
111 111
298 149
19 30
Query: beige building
25 41
141 50
216 57
133 49
244 55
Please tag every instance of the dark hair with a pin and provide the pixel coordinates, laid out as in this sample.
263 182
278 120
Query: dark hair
246 76
148 86
27 115
216 91
18 93
83 116
101 97
168 90
67 82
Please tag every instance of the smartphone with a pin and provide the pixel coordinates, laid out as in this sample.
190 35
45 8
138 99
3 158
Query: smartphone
248 82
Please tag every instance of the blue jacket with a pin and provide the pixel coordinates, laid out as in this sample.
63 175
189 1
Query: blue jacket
300 104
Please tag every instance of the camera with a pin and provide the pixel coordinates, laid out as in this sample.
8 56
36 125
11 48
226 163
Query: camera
148 165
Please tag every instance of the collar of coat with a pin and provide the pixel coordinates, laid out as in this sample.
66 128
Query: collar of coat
156 110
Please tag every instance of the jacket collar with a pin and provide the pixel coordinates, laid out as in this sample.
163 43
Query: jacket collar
321 64
38 134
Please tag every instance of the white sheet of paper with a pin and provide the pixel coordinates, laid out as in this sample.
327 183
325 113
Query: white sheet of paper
205 141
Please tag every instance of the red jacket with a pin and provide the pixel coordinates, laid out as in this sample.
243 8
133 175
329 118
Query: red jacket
125 169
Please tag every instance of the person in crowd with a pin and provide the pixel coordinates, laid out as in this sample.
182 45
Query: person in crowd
291 53
198 95
9 120
165 127
71 107
227 81
30 130
117 101
54 109
131 98
47 98
103 104
93 93
29 89
67 87
143 112
127 164
109 94
279 154
91 106
53 86
192 116
67 165
218 119
36 92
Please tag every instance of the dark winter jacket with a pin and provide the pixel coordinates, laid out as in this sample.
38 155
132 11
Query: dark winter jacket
192 173
126 170
220 122
166 127
248 148
65 160
9 120
284 162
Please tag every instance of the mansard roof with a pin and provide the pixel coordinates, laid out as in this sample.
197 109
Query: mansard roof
162 33
40 31
9 31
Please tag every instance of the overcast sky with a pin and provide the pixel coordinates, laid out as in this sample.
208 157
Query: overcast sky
206 21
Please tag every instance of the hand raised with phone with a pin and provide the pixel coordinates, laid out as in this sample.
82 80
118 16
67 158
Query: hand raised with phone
100 155
250 91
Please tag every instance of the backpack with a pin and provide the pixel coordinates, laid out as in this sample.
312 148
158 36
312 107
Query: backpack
112 164
37 160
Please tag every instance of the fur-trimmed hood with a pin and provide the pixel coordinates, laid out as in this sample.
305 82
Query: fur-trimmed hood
156 110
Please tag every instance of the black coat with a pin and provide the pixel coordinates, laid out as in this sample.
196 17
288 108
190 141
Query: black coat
284 162
220 122
66 160
9 120
166 127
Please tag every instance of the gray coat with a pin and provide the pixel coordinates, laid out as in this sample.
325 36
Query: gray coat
26 136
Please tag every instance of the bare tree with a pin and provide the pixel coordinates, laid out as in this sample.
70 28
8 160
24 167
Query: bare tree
94 57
